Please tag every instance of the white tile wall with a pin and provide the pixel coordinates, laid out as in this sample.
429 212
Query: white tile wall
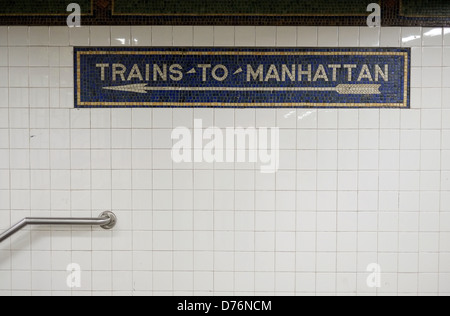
355 187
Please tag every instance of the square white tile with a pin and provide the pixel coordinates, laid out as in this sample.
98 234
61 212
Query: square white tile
328 36
203 36
18 36
245 36
121 118
349 36
39 98
431 98
100 36
432 77
59 36
266 36
432 56
39 77
18 118
432 36
141 118
18 56
162 36
411 36
38 56
224 35
18 77
286 36
162 118
390 36
307 36
18 97
79 36
120 35
39 118
39 36
183 36
369 36
19 139
141 36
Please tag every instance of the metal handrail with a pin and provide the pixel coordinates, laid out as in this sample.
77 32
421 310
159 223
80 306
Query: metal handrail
106 220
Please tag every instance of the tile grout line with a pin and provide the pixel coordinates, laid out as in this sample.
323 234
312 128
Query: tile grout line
49 172
173 198
357 199
132 187
234 193
90 177
276 200
9 156
29 162
420 168
399 184
337 188
440 168
379 164
296 185
380 172
337 204
317 185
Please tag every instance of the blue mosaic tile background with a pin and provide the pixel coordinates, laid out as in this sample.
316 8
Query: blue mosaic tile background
90 90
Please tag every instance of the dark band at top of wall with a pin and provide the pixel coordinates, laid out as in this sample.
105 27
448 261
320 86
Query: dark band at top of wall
33 8
228 12
425 8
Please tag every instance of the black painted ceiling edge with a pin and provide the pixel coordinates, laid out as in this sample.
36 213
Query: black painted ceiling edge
102 15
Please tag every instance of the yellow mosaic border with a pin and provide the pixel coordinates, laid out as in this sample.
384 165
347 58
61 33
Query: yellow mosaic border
243 53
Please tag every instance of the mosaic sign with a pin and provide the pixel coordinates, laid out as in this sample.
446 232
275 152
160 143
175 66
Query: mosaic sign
242 77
